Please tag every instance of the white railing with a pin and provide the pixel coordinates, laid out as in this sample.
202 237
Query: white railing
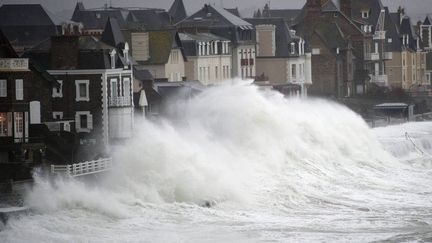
380 79
84 168
14 64
379 35
388 55
372 56
119 101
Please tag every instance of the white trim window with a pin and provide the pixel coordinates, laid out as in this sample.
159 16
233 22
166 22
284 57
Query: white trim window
365 14
19 89
57 115
58 92
3 88
82 90
83 121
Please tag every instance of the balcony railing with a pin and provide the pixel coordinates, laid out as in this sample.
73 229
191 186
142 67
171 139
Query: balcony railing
119 101
379 35
372 56
380 79
388 55
14 64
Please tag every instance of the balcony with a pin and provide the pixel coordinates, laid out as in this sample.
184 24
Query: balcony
372 56
379 35
14 64
388 55
381 80
119 101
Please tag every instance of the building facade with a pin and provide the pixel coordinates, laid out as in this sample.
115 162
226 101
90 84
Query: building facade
209 57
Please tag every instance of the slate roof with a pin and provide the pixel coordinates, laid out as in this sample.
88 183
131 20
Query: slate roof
290 15
112 34
190 41
92 54
97 18
428 20
392 31
28 24
6 50
234 11
375 7
429 61
330 7
283 35
177 11
407 28
148 19
142 74
216 17
331 35
160 44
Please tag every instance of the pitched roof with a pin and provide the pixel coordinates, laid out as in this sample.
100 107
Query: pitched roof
177 11
190 41
214 16
97 18
331 35
24 15
6 50
112 34
283 35
392 31
148 19
428 20
329 7
234 11
142 74
160 44
374 6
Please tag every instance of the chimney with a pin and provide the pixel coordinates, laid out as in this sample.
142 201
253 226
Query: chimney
401 12
345 7
64 52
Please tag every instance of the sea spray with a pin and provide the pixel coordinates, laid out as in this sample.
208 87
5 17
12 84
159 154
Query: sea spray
269 165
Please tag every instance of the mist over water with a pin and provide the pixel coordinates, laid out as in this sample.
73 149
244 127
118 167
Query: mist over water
273 169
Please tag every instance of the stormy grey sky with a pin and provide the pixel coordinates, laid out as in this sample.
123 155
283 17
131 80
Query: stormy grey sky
416 8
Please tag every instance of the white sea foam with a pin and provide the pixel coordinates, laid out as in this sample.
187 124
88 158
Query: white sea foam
276 168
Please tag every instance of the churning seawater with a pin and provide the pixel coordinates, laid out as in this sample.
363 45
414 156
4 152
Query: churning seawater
273 170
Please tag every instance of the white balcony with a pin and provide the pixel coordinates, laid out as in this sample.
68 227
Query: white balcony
388 55
381 80
372 56
379 35
119 101
14 64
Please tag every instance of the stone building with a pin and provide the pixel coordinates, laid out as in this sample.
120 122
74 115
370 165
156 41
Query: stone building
220 22
209 57
283 60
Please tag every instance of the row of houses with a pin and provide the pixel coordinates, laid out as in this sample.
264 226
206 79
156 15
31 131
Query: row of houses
71 88
359 46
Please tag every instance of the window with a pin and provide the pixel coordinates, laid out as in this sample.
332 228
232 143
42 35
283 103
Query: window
126 87
19 89
3 124
3 88
114 88
365 14
58 91
19 122
140 46
174 57
390 40
216 73
293 48
57 115
82 90
83 121
293 70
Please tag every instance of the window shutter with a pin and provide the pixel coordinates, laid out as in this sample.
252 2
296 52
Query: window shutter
77 123
9 121
19 89
3 88
90 122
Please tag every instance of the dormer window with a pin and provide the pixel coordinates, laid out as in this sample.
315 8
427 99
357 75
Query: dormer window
292 48
365 14
98 15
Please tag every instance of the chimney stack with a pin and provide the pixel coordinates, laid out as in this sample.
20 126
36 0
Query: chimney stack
64 52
